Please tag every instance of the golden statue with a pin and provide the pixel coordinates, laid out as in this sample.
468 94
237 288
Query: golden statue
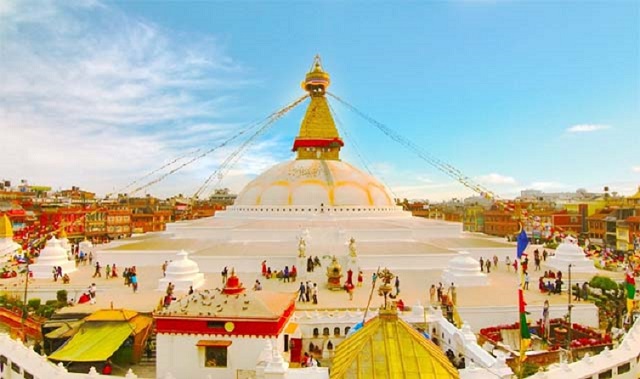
334 273
352 248
302 247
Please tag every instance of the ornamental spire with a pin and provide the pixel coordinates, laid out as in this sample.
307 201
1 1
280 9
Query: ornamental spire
318 137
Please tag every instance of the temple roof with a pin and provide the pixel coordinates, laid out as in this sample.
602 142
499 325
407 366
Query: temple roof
6 230
636 196
213 304
388 347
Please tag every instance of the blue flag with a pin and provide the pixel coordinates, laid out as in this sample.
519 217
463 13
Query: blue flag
523 241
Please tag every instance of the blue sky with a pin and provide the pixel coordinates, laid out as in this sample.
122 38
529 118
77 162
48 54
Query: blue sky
516 95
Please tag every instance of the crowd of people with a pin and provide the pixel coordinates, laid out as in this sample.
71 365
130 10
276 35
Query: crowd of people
285 275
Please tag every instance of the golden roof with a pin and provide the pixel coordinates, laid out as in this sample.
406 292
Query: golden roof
6 230
636 196
387 347
318 122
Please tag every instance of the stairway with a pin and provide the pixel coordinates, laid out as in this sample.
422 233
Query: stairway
149 359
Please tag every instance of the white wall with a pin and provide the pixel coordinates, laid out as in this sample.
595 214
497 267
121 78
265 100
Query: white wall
179 355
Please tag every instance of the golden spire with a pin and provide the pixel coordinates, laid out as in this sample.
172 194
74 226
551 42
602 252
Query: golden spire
318 137
6 230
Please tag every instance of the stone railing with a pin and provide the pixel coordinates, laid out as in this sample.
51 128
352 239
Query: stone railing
18 361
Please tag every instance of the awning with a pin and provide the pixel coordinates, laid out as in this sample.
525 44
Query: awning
214 343
66 330
95 342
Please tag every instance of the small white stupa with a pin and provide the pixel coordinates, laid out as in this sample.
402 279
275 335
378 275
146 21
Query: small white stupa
85 246
464 271
568 252
52 255
8 247
182 273
64 242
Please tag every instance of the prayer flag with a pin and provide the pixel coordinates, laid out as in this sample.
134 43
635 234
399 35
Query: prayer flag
525 336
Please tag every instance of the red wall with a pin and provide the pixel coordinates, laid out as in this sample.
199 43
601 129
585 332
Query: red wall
243 326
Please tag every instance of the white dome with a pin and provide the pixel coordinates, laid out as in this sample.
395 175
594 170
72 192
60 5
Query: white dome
53 251
464 262
182 266
314 182
182 273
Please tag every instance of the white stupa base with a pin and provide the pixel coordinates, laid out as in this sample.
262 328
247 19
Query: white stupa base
583 266
464 280
464 271
9 247
44 270
569 253
182 284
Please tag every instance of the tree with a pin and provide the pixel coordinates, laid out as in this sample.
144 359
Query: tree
612 303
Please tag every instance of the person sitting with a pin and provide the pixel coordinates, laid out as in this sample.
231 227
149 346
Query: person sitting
257 286
541 285
65 279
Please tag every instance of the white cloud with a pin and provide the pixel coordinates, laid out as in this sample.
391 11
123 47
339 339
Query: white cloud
92 97
585 128
635 168
494 178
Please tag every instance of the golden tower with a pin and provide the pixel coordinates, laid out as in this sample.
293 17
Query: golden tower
318 137
6 230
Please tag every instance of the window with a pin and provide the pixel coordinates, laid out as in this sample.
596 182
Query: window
215 356
316 332
346 330
605 374
336 332
325 331
215 352
15 367
624 368
215 324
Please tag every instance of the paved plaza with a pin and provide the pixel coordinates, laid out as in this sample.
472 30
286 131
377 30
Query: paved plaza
414 286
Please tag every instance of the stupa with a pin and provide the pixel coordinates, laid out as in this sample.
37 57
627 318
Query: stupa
183 273
318 195
85 246
464 271
569 253
53 255
7 246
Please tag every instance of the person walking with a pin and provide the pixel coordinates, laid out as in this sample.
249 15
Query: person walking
107 271
314 293
302 290
495 262
507 261
439 292
98 272
360 278
526 280
134 282
432 294
397 285
488 266
481 264
92 293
